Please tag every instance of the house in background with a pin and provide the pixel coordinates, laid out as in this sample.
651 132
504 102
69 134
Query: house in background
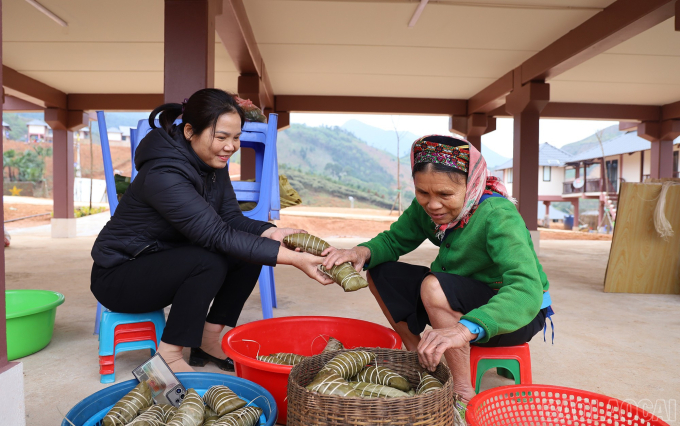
548 214
125 133
39 131
6 129
569 178
114 134
551 161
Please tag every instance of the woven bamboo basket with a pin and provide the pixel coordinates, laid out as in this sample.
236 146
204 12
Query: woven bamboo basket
307 408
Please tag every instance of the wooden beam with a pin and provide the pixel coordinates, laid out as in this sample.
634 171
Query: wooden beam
370 105
601 111
617 23
628 126
671 111
15 104
114 101
583 111
21 83
236 33
492 96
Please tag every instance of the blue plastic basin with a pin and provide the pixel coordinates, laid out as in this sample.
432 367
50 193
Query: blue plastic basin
91 410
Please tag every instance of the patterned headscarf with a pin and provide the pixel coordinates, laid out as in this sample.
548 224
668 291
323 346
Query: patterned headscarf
461 155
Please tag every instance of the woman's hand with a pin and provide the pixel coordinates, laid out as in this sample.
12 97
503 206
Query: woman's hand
359 255
435 342
278 234
308 263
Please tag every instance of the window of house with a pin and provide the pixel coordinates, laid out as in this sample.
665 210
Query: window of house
509 175
546 173
676 165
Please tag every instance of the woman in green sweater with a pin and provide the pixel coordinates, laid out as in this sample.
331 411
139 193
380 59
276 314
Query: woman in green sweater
486 287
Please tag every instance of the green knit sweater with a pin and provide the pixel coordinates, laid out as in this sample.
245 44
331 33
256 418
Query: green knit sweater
494 247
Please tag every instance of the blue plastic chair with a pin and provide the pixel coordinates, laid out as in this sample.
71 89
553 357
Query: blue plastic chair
261 138
264 191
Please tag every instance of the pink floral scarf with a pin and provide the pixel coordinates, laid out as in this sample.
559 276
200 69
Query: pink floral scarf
454 153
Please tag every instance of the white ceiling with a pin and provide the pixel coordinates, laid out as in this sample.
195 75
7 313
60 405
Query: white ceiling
330 47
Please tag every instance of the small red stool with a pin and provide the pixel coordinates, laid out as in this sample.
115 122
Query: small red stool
132 336
515 359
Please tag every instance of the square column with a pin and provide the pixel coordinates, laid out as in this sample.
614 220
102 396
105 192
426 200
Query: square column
525 104
575 203
662 159
661 135
472 127
13 407
63 124
189 45
249 88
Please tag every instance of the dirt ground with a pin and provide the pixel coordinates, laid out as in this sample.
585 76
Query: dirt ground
555 234
15 210
331 227
321 226
621 345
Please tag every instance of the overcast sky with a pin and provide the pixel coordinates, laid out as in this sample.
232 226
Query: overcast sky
556 132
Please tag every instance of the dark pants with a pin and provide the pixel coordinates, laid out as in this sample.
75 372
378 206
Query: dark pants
188 278
399 283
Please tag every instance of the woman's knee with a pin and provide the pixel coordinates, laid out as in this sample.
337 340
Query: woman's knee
371 284
207 262
431 293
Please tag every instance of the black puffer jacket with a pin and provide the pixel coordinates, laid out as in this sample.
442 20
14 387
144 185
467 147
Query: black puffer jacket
177 200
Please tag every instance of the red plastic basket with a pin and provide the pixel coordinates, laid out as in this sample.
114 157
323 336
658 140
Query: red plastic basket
299 335
533 405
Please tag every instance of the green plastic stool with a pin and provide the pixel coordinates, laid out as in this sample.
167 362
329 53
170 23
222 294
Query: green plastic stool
513 362
506 367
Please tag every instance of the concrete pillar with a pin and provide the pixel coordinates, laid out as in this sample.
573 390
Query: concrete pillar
475 141
473 127
63 124
661 135
662 159
3 321
189 45
525 104
574 203
249 88
546 217
12 407
600 213
63 220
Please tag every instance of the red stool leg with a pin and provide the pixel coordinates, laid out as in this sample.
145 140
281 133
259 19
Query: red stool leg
525 364
106 364
475 356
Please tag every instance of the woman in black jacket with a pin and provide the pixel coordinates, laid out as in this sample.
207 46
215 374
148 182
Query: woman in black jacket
178 236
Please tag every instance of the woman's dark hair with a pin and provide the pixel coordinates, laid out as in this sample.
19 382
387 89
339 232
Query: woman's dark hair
201 110
440 168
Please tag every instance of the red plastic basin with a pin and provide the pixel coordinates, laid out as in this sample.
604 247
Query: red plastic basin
298 335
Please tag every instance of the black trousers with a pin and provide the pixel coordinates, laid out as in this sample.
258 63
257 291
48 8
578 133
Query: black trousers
399 283
188 278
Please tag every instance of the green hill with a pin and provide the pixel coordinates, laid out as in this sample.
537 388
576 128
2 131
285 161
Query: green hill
331 162
590 142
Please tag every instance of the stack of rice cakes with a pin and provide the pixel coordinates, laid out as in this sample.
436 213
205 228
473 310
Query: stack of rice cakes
220 406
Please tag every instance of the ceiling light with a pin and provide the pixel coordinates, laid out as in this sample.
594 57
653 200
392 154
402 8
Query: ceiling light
47 12
416 15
